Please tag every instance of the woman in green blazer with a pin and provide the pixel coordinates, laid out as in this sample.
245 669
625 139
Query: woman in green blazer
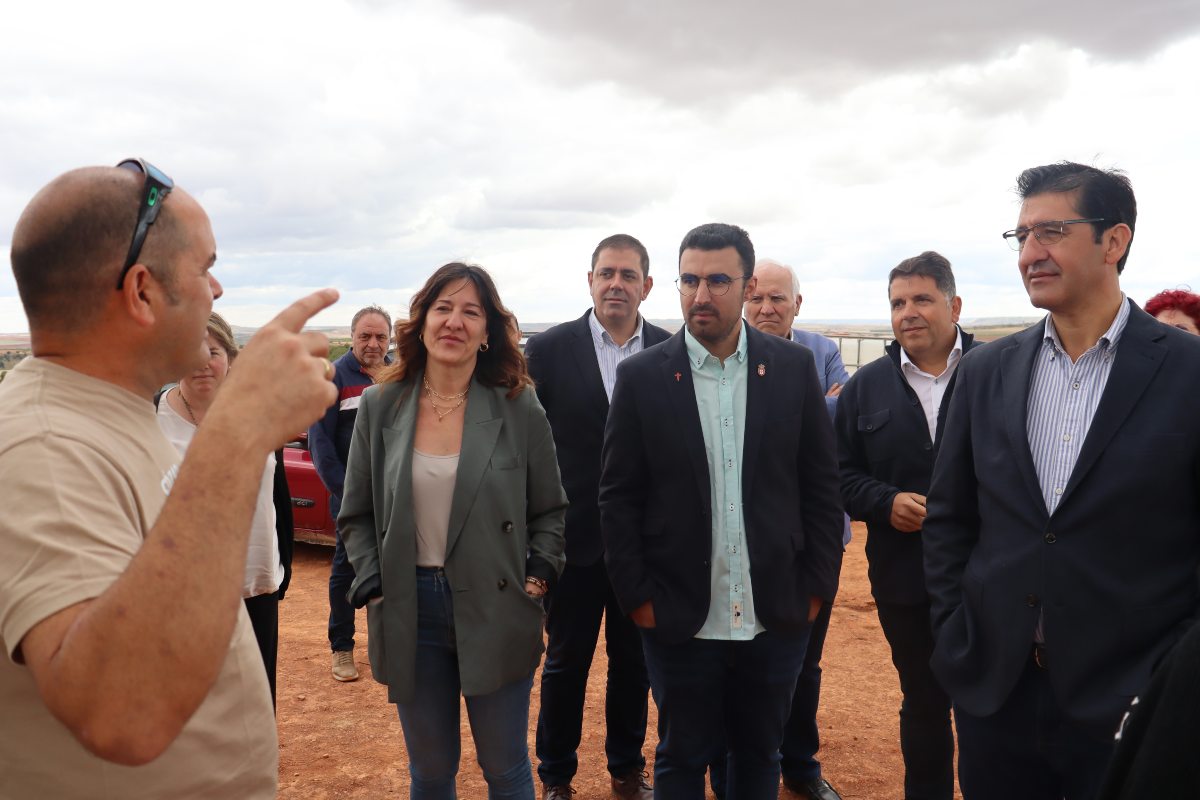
453 519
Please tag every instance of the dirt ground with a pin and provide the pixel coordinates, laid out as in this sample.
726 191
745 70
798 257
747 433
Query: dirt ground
343 740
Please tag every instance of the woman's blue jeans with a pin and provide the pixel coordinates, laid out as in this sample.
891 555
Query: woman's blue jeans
499 721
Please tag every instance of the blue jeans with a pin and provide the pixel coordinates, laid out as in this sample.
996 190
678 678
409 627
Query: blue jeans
717 697
341 613
499 721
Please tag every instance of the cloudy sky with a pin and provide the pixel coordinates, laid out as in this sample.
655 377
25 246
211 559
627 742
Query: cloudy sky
362 144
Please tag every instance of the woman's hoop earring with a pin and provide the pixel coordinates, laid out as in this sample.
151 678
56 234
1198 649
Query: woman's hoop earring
483 348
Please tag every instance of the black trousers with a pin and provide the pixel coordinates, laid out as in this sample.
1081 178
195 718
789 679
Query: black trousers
264 617
1031 749
926 738
582 598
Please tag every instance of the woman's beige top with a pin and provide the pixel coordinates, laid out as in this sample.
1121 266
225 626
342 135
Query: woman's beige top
433 491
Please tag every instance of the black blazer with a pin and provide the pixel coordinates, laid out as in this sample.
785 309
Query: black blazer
884 449
562 361
655 494
1113 570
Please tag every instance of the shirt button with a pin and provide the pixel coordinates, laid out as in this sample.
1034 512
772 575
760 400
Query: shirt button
731 506
1058 490
1066 437
1075 386
1051 538
733 548
737 587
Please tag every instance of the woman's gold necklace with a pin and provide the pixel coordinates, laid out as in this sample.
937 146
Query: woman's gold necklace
461 397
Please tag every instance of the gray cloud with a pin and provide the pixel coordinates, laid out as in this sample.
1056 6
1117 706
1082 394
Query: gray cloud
687 51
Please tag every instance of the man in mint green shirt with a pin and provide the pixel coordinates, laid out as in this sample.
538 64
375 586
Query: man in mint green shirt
721 518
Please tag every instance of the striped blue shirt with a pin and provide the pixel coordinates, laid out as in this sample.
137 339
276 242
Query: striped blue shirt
1063 397
609 353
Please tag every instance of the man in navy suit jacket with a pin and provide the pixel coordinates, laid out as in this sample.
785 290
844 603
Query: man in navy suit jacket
721 521
1063 533
772 308
574 365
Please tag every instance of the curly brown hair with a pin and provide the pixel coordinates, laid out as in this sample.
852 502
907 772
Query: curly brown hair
502 364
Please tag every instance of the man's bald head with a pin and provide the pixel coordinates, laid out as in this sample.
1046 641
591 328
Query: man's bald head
71 241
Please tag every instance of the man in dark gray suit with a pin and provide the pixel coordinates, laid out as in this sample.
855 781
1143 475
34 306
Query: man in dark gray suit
574 365
1063 529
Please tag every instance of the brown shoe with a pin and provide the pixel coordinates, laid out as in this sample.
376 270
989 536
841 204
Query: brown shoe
343 666
560 792
632 786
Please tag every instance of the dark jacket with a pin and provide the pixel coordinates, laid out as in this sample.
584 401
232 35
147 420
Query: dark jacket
562 360
655 497
884 449
1113 570
329 437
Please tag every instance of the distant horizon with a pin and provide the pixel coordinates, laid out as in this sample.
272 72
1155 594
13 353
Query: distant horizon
18 339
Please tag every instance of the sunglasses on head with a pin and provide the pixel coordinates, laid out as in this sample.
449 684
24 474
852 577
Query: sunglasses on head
154 190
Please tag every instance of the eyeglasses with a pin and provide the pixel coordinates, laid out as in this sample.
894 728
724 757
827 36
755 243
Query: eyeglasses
1048 233
718 283
154 190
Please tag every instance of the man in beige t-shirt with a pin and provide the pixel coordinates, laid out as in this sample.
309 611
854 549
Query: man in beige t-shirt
129 669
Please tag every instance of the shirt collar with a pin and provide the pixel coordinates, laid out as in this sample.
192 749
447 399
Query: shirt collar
1107 340
601 336
698 353
951 359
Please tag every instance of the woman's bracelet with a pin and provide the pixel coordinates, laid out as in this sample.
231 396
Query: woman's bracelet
538 582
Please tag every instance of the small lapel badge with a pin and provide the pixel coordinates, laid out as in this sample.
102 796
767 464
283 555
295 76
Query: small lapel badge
678 375
762 370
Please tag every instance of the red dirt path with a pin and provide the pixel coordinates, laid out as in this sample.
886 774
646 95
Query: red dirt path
344 741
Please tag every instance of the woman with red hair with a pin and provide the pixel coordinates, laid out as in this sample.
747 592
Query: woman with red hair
1176 307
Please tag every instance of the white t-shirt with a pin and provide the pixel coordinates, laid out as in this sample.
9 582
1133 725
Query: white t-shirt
85 471
264 568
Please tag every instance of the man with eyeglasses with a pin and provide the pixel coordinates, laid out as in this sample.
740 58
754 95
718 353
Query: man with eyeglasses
772 308
1063 532
890 422
721 521
575 367
329 442
131 668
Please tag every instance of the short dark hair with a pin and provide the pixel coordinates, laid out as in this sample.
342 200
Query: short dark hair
371 309
1179 300
71 241
623 241
929 264
503 364
1104 194
718 236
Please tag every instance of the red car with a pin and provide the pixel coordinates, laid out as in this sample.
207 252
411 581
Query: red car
310 499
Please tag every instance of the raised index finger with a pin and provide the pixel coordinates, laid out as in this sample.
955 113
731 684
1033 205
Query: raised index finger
294 316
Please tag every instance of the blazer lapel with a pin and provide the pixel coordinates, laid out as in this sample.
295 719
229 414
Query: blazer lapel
481 429
1140 353
584 351
759 386
1016 367
397 471
676 375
